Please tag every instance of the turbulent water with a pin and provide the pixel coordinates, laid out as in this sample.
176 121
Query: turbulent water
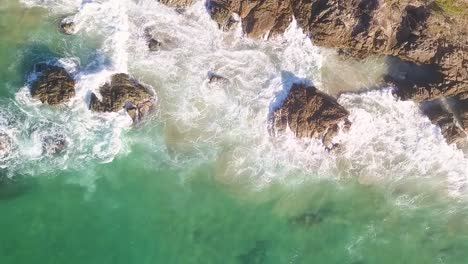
203 181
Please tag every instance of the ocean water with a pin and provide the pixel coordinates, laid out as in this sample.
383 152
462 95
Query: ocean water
202 181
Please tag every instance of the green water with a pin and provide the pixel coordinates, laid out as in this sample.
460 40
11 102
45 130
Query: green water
143 208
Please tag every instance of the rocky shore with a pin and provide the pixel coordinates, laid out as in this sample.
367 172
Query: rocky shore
425 42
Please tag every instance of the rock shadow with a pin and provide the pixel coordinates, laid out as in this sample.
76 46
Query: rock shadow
408 77
31 55
13 188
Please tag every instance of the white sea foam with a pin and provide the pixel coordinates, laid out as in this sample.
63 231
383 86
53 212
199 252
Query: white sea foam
390 142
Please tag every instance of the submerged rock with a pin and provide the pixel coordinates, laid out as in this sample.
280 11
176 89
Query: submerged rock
5 145
123 92
308 219
308 112
153 44
53 145
54 86
256 254
216 78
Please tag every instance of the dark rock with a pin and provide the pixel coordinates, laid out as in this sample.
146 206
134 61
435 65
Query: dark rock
308 219
6 145
451 117
216 78
54 86
308 112
259 18
123 92
153 44
67 27
53 145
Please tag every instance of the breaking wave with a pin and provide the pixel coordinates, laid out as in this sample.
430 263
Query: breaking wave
225 123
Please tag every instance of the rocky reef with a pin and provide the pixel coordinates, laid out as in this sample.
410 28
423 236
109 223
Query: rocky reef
308 112
53 86
124 92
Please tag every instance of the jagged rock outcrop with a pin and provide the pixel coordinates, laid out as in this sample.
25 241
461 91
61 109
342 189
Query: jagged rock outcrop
259 18
414 31
177 3
308 112
124 92
54 85
441 116
426 43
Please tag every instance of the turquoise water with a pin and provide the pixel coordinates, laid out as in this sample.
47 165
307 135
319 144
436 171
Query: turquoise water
178 188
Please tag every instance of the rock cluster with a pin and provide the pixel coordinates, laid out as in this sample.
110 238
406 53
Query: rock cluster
427 48
123 92
54 85
410 30
308 112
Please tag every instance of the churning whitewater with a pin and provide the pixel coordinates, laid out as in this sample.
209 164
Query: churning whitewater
390 141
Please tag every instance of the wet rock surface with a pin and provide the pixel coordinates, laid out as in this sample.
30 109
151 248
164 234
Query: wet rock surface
259 18
414 31
452 118
427 47
310 113
177 3
124 92
54 85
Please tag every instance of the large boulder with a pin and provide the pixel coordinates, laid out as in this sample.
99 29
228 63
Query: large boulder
124 92
54 85
310 113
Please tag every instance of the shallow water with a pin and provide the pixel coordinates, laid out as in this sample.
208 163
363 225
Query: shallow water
203 182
